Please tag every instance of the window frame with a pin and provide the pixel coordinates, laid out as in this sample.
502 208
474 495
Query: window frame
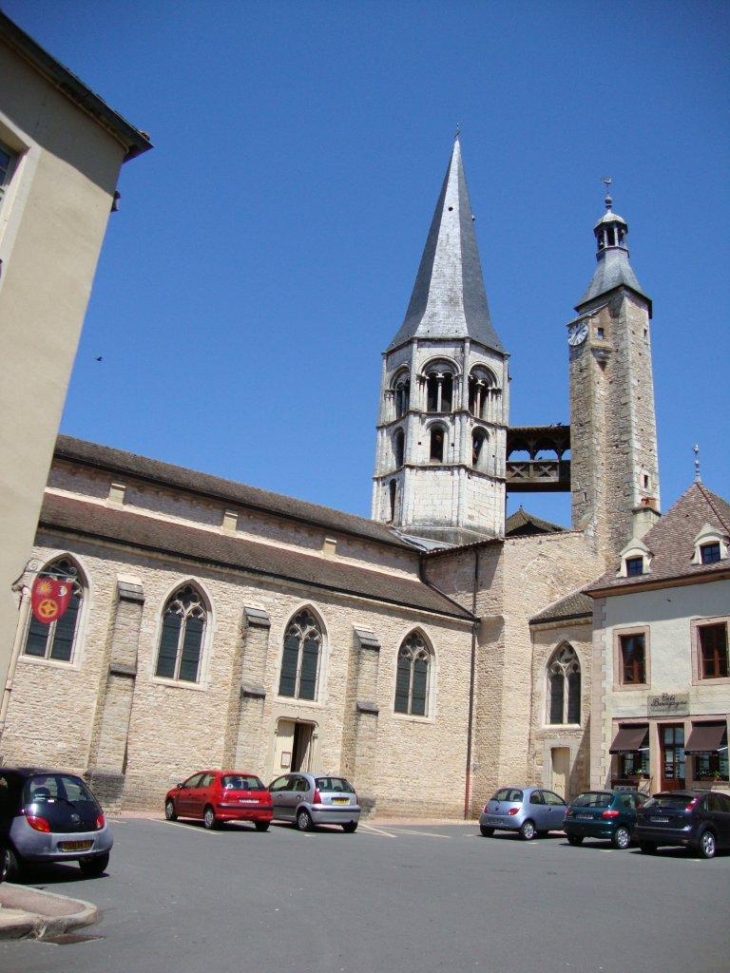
619 681
6 177
568 666
204 603
425 692
286 653
696 627
79 600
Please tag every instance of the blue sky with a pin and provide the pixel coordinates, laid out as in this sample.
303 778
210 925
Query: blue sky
265 250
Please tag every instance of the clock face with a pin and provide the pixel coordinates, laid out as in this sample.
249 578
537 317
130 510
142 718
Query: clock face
578 334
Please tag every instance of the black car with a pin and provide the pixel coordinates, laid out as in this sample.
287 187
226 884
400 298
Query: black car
697 820
50 816
603 814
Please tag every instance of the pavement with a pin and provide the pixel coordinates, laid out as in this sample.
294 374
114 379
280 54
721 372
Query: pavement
27 913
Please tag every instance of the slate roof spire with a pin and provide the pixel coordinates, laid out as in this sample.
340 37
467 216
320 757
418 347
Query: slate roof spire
614 269
448 299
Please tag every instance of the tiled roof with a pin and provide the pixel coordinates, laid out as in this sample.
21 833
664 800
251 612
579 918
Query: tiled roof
522 522
573 606
124 527
671 542
122 463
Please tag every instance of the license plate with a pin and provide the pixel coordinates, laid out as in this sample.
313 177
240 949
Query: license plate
247 800
660 820
75 845
340 800
584 817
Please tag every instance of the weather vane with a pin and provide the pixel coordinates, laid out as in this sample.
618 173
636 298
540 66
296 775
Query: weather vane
696 451
607 180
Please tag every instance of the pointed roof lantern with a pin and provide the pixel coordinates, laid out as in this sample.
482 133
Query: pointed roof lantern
614 269
448 299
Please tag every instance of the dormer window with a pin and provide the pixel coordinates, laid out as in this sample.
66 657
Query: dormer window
710 546
635 560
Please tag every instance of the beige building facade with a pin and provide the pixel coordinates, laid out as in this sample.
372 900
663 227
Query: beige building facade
61 149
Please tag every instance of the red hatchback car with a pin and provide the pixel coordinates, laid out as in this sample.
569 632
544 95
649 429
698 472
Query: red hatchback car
215 796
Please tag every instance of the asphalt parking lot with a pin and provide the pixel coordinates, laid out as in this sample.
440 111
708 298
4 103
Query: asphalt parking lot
401 897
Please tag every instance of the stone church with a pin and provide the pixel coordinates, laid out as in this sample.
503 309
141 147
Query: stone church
430 653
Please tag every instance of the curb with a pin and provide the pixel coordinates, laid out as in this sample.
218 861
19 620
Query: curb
27 913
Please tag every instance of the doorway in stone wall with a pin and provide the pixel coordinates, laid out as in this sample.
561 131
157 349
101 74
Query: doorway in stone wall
560 761
294 744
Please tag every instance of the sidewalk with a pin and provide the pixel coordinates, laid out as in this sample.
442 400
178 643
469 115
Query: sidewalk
29 913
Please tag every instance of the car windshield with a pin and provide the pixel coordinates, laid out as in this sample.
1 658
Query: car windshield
56 787
593 799
335 784
242 782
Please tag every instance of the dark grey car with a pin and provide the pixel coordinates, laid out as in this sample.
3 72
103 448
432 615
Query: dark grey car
697 820
51 816
527 810
311 799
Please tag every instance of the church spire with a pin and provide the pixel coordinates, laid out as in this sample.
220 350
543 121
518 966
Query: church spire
448 299
614 269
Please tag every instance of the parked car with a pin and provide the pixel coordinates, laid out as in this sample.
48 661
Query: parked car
603 814
217 796
527 810
51 816
697 820
308 800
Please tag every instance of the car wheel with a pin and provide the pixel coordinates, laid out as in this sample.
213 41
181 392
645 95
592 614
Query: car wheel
261 825
487 832
94 867
528 831
170 812
304 820
10 866
648 847
621 838
575 839
209 818
707 846
350 827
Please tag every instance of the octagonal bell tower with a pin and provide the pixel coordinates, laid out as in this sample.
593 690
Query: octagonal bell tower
441 435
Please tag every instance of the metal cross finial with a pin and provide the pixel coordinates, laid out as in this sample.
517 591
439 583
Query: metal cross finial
607 180
696 451
457 133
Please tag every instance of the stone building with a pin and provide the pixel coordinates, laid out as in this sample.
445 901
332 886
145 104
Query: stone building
430 653
61 149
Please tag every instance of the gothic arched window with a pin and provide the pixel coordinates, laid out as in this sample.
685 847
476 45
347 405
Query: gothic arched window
564 685
56 640
181 639
300 660
412 677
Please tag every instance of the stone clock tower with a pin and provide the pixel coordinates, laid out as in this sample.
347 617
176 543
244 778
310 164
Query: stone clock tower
614 466
441 439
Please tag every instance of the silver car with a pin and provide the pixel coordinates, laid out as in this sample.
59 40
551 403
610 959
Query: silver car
51 816
311 799
527 810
